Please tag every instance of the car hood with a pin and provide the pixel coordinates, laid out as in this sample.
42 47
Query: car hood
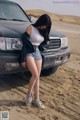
14 29
54 33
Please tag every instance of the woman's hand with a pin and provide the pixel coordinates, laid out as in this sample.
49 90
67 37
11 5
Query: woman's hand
23 64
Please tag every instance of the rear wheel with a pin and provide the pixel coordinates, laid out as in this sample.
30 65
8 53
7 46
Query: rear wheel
48 71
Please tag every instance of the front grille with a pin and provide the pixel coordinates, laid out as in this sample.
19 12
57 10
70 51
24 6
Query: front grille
55 43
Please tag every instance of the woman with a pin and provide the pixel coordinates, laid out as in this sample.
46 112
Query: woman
35 36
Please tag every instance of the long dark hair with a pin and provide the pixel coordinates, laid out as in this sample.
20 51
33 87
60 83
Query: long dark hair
44 20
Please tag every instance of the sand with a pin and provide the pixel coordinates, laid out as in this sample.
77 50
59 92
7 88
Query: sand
55 17
60 92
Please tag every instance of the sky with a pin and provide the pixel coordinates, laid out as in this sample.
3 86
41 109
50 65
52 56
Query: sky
66 7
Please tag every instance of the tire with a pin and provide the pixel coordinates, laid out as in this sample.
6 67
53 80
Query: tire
48 71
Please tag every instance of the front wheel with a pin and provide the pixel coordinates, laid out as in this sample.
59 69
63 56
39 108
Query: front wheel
48 71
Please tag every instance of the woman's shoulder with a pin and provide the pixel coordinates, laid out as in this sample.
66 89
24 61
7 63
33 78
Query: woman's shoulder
29 29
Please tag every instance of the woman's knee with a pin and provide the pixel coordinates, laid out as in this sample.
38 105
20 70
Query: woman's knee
35 75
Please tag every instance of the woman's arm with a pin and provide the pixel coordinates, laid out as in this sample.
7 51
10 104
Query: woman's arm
23 62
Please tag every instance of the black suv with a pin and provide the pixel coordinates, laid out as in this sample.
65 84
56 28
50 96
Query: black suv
13 22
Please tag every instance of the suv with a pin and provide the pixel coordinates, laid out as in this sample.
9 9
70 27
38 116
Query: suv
13 23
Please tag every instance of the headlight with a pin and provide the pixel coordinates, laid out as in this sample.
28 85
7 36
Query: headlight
13 44
64 42
10 43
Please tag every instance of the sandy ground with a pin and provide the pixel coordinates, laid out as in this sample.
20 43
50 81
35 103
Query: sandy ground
60 92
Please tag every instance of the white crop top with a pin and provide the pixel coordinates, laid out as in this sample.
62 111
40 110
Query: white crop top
35 37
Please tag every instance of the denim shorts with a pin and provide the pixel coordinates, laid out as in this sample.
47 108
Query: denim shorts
36 54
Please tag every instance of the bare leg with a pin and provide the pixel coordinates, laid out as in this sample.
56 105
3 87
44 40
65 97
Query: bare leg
36 87
33 69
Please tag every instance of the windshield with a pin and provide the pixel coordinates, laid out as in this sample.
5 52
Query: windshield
12 11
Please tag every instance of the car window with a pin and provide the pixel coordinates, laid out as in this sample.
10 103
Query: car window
12 11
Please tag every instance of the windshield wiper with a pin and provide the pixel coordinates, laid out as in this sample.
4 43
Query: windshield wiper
17 20
13 19
3 19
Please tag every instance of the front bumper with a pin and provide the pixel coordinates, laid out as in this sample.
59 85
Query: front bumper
9 61
55 58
